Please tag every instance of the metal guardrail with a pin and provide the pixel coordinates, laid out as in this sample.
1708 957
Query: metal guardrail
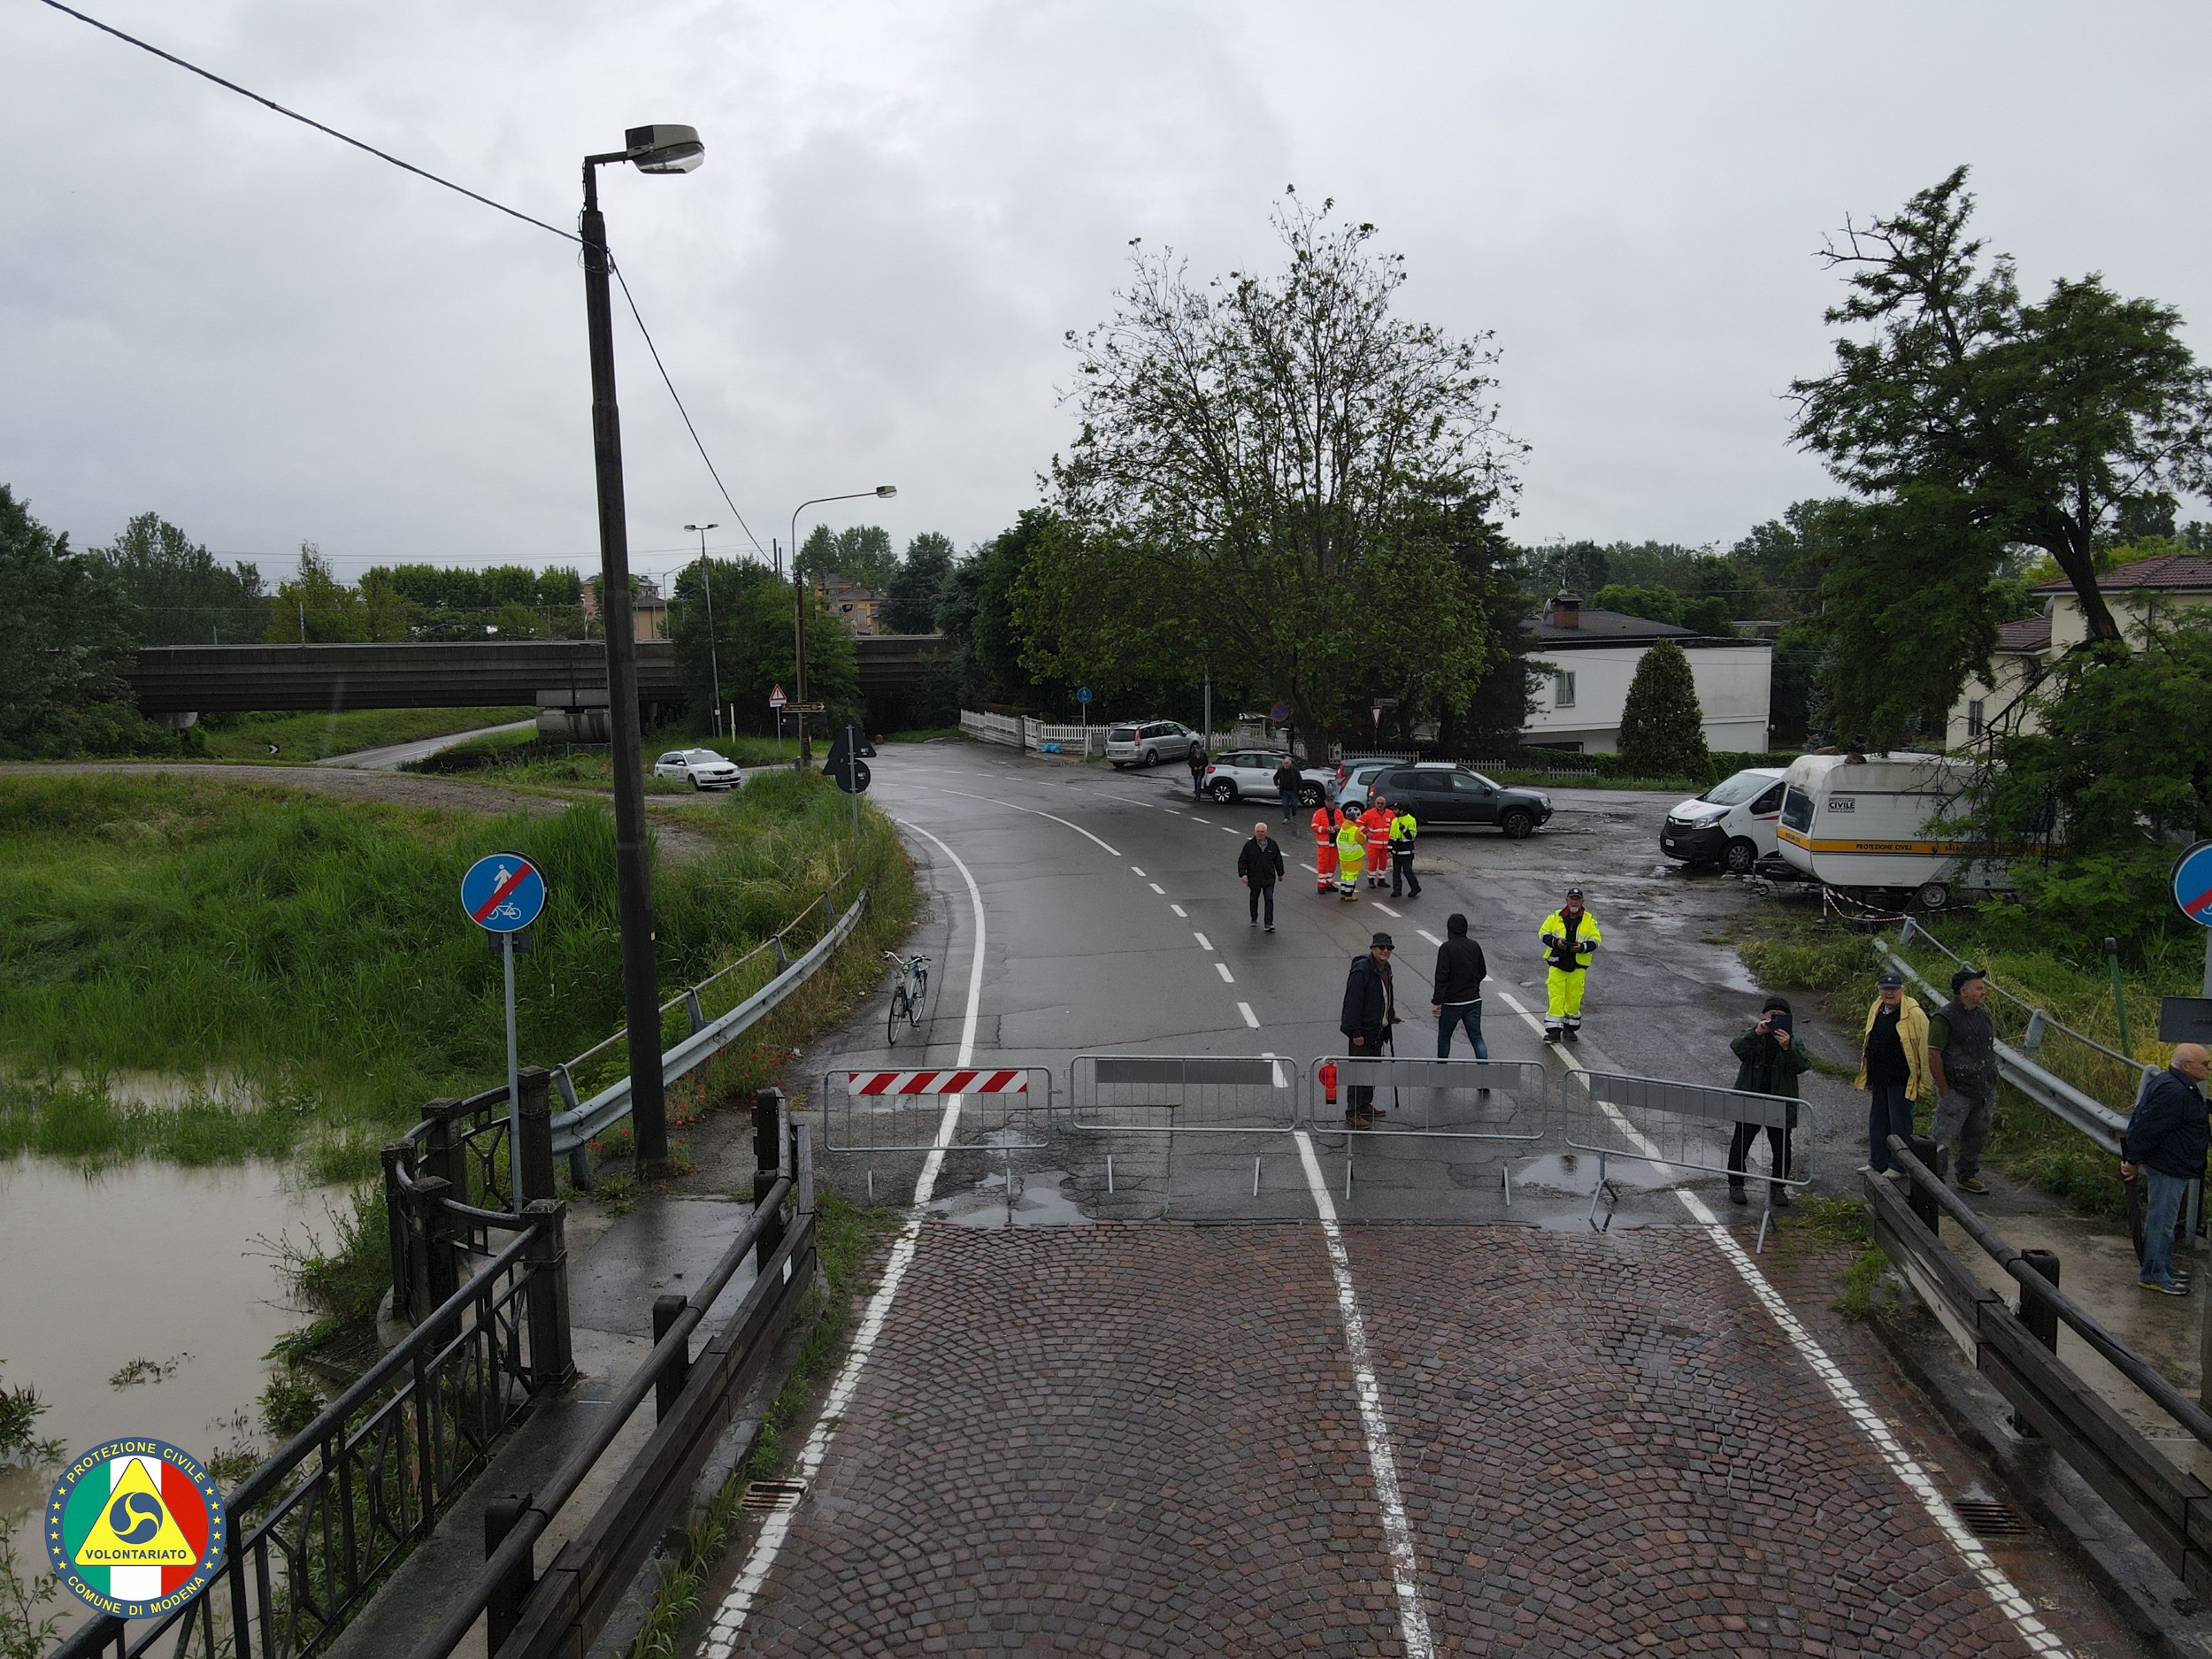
1453 1100
1182 1093
2169 1509
1652 1120
319 1524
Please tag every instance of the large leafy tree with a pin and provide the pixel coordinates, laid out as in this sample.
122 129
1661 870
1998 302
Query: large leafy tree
861 553
1967 420
66 647
752 645
177 593
1269 482
910 603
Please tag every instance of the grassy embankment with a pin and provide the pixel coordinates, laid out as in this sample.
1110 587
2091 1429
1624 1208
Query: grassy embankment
300 738
1803 954
514 759
303 964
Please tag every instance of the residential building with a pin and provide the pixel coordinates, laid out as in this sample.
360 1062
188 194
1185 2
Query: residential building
2161 585
850 602
1593 657
648 610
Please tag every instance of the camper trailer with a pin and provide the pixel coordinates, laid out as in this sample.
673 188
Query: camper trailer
1861 824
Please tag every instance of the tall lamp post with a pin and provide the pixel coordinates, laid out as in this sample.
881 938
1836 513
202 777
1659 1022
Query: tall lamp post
798 602
660 149
706 581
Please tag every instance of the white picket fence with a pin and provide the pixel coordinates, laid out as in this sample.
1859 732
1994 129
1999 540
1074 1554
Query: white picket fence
1022 732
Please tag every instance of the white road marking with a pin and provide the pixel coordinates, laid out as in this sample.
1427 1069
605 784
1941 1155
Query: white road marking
1908 1469
1204 943
1032 811
1180 912
1251 1019
1222 968
1158 888
1432 938
1139 871
729 1619
1386 910
1225 829
1413 1619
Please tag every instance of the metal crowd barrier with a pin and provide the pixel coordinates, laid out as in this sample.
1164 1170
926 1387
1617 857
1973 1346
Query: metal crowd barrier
1445 1100
1683 1126
1182 1093
878 1111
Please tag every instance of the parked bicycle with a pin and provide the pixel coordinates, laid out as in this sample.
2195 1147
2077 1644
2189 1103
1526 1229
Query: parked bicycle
908 991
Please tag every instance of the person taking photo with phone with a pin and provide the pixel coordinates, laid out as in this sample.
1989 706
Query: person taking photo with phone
1770 1062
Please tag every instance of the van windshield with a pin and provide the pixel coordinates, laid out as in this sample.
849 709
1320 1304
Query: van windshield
1797 810
1736 790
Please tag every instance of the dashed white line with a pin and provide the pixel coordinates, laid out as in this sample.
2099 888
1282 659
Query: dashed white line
1222 968
1382 1461
1180 912
1139 871
1204 943
1158 888
1224 828
1251 1019
1432 938
1386 910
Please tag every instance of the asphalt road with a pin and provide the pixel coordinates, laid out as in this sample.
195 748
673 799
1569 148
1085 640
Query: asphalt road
1346 1400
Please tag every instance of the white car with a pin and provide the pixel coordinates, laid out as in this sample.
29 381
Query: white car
1149 742
701 768
1251 772
1730 825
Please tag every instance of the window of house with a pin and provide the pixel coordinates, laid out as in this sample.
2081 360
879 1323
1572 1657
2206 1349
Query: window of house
1974 717
1562 688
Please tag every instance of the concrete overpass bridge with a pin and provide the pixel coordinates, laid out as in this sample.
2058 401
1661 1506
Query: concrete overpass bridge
565 678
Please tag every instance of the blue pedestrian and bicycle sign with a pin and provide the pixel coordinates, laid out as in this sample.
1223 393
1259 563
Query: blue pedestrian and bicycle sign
503 893
1082 694
2193 883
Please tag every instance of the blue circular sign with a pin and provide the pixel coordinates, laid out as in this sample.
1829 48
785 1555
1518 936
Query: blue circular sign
503 893
2192 884
1082 694
1279 712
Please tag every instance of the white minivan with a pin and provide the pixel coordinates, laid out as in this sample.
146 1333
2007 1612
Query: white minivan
1730 825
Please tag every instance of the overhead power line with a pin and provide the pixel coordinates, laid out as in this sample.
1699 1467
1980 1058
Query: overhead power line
423 173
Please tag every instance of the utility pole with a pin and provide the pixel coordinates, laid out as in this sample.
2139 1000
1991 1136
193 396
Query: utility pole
706 581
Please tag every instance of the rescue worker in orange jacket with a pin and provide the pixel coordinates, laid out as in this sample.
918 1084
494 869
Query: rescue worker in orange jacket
1327 819
1375 822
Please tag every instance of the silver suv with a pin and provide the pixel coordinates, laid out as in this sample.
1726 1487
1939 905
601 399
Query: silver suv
1149 742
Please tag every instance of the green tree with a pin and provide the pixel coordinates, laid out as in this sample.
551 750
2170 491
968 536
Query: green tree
1663 729
1969 420
315 608
1268 479
861 553
1653 604
753 646
66 648
910 597
177 594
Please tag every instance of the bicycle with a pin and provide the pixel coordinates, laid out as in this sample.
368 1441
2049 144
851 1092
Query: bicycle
908 993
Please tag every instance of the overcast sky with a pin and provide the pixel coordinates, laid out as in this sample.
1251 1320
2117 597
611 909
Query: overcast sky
218 315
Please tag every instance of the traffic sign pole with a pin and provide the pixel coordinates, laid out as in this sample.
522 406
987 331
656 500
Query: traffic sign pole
514 1076
502 895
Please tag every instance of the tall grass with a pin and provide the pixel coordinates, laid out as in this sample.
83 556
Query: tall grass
314 951
305 737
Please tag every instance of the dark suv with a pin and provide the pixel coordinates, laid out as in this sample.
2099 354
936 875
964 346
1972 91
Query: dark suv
1452 794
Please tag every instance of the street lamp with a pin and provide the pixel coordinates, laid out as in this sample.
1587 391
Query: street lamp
659 148
798 602
706 581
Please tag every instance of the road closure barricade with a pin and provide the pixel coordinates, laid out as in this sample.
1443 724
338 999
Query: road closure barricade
1682 1125
1444 1100
870 1111
1182 1093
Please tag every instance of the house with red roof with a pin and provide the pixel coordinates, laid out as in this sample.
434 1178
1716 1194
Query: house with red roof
2135 592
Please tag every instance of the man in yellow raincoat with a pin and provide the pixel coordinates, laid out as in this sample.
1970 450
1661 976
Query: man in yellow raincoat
1568 935
1351 858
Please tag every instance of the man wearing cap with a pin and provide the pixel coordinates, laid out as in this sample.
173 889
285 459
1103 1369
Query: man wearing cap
1893 1065
1369 1011
2165 1145
1568 935
1963 1066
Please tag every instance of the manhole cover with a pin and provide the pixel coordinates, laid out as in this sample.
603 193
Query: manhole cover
1985 1518
765 1497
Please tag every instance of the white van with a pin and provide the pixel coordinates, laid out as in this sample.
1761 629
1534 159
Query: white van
1860 824
1730 825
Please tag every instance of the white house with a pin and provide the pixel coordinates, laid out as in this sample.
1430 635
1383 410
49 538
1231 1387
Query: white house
1593 657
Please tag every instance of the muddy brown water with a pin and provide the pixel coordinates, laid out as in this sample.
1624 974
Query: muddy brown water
143 1261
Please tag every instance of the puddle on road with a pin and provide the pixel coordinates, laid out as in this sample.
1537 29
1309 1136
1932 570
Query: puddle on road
146 1262
1040 1200
1577 1172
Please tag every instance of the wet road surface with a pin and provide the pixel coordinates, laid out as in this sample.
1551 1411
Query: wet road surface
1179 1418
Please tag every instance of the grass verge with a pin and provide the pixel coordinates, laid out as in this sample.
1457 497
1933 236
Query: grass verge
305 737
849 1238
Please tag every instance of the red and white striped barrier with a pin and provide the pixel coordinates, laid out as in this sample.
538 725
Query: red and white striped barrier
1015 1082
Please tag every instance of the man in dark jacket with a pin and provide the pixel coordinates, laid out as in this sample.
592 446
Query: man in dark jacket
1369 1011
1963 1066
1457 988
1260 866
2165 1145
1287 782
1197 771
1771 1061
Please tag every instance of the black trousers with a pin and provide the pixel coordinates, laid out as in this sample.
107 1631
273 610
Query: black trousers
1401 871
1740 1148
1360 1097
1255 889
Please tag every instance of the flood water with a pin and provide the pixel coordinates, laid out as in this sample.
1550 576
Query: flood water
142 1262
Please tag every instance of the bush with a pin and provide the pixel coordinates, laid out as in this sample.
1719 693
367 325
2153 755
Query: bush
1663 729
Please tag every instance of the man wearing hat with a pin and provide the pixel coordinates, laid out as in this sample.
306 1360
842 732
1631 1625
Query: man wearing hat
1568 935
1369 1011
1963 1066
1893 1065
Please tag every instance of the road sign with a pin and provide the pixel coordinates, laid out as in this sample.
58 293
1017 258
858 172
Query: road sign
806 708
1279 712
775 698
2193 883
1082 694
503 893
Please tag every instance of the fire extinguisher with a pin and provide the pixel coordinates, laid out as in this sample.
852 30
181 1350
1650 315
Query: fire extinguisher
1327 1075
